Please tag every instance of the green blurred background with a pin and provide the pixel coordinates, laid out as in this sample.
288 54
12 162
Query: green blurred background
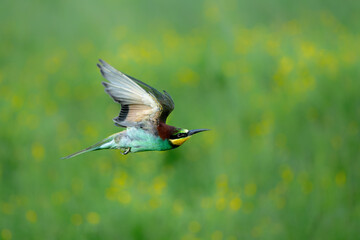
278 82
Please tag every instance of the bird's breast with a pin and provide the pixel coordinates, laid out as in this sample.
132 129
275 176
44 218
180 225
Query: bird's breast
140 140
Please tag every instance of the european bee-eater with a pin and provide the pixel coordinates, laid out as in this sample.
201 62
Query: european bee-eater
143 112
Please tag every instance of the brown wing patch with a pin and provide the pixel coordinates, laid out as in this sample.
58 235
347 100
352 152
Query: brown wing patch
137 113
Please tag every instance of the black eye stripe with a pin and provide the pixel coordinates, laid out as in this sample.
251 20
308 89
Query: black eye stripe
178 135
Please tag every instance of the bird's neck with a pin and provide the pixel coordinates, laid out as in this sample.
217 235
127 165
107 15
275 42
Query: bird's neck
165 131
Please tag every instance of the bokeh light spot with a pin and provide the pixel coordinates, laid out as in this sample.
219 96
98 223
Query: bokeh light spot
7 208
178 208
256 231
124 197
6 234
235 204
340 178
287 175
17 102
194 227
188 76
31 216
76 219
217 235
220 203
38 151
159 185
93 218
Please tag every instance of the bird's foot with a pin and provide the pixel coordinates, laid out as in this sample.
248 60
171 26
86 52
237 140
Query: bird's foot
126 151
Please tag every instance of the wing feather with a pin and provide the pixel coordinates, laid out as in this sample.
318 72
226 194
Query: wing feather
140 103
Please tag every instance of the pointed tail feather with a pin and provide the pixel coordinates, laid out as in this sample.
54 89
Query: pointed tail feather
104 144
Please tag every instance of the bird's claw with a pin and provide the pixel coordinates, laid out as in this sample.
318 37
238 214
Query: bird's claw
126 151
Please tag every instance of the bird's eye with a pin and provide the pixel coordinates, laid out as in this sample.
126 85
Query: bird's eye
180 135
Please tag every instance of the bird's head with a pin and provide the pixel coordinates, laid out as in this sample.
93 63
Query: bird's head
181 135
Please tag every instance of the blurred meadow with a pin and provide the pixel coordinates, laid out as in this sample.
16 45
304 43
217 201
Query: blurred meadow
278 82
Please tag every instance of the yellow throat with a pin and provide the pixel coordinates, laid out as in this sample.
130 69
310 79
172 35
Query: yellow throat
179 141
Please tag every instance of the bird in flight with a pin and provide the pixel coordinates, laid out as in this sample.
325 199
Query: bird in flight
143 113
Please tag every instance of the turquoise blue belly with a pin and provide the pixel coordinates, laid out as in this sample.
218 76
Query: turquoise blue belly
139 140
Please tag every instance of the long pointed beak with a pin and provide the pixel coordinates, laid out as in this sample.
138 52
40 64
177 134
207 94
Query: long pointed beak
192 132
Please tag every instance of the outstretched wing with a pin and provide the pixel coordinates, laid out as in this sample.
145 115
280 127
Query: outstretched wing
141 104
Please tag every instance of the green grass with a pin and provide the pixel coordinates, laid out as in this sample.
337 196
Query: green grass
277 83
